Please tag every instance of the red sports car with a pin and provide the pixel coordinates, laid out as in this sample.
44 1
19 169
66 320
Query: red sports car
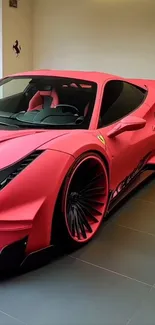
72 145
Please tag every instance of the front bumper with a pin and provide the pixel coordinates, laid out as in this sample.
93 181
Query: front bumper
13 257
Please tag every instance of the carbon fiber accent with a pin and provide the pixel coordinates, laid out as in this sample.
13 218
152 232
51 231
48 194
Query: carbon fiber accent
13 258
9 173
12 255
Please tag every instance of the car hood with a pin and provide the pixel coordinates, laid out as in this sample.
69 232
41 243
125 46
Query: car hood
15 145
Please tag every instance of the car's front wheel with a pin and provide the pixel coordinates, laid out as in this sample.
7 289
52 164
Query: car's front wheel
83 200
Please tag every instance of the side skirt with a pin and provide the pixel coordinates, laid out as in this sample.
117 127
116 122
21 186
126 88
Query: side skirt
139 179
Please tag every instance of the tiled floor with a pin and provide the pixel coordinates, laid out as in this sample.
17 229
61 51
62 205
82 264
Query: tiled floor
111 281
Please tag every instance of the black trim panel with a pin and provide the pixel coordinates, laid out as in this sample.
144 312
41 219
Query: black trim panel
12 255
9 173
13 258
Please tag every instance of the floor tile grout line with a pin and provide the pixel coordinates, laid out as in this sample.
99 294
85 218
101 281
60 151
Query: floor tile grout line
143 200
136 312
10 316
111 271
137 230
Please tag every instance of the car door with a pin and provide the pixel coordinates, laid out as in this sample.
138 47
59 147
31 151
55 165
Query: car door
122 99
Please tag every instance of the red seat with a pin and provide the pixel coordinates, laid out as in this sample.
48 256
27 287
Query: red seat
86 110
37 100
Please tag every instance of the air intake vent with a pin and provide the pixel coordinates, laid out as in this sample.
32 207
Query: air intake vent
6 175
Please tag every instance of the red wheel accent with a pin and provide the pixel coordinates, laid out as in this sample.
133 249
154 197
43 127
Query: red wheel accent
85 198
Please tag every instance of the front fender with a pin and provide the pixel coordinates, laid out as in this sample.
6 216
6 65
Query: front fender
28 201
79 142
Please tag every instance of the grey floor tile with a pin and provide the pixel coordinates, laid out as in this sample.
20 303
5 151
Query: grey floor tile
124 251
137 214
146 313
7 320
147 192
70 292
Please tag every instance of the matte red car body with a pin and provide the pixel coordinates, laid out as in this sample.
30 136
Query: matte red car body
28 201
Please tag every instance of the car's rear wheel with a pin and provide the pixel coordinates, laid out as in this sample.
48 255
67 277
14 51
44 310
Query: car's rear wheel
84 198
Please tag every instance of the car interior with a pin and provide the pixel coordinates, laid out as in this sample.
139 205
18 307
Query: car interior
53 101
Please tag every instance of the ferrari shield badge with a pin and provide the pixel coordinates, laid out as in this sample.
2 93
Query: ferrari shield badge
100 137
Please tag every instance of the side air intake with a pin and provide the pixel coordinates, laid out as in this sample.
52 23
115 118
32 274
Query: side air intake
8 174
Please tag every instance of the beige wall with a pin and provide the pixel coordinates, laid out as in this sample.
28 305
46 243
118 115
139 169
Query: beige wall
116 36
17 24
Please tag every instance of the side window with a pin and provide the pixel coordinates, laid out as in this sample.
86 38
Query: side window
119 99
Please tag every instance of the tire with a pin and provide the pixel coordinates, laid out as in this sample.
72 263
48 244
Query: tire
83 201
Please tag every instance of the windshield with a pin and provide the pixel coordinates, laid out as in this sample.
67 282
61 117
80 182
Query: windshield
46 102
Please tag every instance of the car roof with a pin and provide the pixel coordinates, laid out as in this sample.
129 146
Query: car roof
83 75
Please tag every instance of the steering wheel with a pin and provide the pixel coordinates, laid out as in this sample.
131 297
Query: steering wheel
69 108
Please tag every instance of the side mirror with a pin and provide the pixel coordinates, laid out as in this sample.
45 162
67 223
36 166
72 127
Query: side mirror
129 123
